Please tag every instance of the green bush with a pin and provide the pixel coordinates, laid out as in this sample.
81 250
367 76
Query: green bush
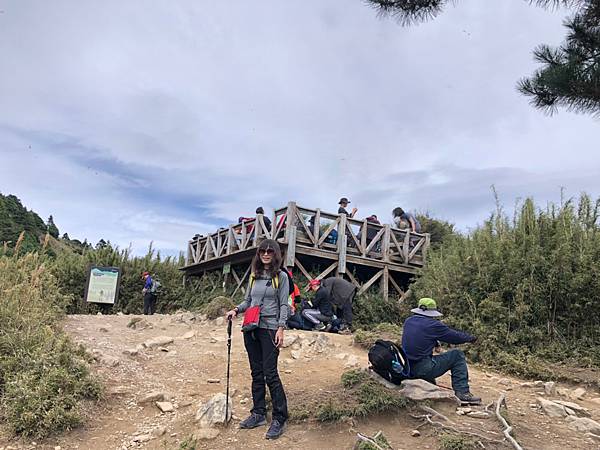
386 331
528 287
44 377
455 442
217 307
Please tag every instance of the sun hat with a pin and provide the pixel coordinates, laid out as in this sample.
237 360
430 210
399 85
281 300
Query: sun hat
344 200
312 283
427 307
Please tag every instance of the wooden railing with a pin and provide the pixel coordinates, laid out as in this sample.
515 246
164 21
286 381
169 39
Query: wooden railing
315 232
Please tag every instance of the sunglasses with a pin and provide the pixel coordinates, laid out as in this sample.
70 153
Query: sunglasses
266 251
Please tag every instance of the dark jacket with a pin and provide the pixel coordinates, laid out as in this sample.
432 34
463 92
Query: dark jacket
338 290
420 334
322 302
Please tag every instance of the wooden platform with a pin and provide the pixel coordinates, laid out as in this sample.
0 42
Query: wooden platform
362 252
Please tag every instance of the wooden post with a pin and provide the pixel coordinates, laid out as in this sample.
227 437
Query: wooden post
244 236
386 243
385 281
426 247
289 220
189 253
230 239
363 238
257 229
317 229
274 225
342 244
219 242
406 246
291 248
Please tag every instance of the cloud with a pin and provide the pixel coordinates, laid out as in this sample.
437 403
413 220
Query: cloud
159 122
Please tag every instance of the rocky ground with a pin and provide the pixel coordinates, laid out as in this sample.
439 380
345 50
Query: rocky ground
161 372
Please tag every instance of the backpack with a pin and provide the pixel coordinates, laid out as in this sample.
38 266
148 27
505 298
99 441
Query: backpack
155 287
389 361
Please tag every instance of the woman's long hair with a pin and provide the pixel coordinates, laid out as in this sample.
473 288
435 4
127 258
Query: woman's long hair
258 268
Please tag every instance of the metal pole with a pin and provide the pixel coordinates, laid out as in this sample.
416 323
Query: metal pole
229 325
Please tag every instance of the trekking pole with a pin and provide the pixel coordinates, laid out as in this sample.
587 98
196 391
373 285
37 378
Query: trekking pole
229 325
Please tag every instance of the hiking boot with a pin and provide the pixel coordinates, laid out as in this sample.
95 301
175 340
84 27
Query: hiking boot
344 330
466 398
253 421
328 328
275 430
320 326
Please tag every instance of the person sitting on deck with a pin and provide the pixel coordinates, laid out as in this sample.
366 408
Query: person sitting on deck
320 310
401 216
422 333
266 220
341 294
343 205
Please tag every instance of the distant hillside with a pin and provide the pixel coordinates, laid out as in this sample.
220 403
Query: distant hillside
16 218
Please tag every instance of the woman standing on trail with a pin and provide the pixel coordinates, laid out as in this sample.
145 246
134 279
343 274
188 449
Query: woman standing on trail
269 292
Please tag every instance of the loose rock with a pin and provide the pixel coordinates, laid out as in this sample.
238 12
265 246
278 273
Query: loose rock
351 362
289 340
552 409
213 412
478 414
219 321
415 433
155 396
550 388
213 380
577 394
159 341
165 406
206 434
584 425
579 410
419 390
295 354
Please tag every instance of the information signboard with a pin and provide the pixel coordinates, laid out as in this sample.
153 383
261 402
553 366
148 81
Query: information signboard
102 285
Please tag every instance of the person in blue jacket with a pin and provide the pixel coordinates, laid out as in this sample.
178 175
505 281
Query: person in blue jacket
421 333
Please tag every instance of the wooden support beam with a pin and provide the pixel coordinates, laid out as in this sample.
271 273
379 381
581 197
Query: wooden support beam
230 240
353 279
374 241
306 228
291 248
363 238
240 281
327 271
396 286
385 282
369 283
426 246
302 269
404 296
244 236
331 226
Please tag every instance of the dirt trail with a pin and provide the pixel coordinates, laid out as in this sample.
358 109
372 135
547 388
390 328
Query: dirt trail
184 370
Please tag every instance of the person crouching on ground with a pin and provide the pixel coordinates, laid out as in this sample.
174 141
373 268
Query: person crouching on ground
263 343
421 333
320 310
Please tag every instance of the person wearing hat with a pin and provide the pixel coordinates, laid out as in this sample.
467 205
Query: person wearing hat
340 294
343 205
421 333
149 296
320 310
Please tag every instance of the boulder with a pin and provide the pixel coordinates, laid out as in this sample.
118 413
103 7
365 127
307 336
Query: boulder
159 341
504 381
419 390
552 409
478 414
212 412
593 437
579 410
130 352
584 425
321 343
188 335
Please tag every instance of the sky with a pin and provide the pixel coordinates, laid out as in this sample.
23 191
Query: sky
145 121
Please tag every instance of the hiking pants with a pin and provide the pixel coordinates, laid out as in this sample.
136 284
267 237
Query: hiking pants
315 316
149 303
435 366
263 354
344 310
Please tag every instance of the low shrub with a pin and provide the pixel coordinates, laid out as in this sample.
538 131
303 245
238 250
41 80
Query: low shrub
386 331
44 377
455 442
217 307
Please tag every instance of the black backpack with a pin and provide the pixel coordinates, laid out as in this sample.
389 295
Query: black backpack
290 280
389 361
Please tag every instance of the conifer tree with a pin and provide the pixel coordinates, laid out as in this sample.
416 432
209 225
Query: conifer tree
570 74
52 228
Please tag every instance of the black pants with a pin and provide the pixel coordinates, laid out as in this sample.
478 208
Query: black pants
149 303
263 354
344 310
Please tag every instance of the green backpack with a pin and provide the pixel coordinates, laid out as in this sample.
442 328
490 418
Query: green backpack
155 288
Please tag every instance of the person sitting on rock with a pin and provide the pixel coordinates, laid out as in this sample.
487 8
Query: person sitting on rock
320 310
421 333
